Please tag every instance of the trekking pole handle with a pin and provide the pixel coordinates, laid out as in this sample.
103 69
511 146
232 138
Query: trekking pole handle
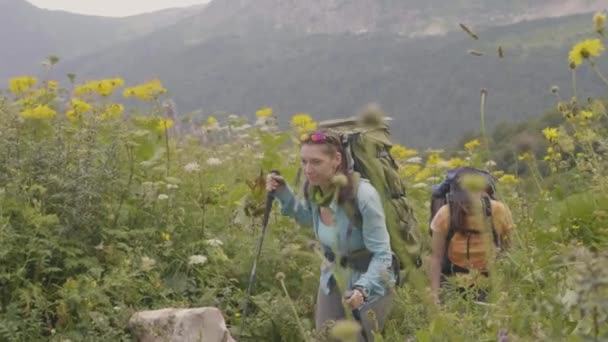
281 182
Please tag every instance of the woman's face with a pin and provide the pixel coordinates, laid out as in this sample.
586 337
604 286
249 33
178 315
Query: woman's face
318 164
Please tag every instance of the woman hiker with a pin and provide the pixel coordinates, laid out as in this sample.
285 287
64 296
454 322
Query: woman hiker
329 189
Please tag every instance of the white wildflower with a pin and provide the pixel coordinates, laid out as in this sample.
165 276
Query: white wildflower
420 186
214 243
233 117
490 163
214 162
261 122
197 260
147 263
414 160
192 167
163 197
172 186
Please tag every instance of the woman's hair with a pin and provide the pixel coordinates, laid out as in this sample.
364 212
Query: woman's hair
461 206
332 143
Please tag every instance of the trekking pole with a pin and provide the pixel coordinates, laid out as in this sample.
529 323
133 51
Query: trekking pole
265 219
357 315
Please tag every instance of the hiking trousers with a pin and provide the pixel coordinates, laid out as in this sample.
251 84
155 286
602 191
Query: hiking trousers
330 308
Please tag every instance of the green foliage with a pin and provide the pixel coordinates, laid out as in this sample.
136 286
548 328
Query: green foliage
102 216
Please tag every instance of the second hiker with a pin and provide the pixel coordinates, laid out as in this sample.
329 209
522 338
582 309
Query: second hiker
469 227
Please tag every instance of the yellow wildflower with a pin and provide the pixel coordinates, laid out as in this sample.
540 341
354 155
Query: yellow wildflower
39 112
457 162
599 20
508 179
102 87
117 82
586 115
311 126
584 50
112 111
301 120
52 84
434 160
164 124
471 145
72 115
146 91
264 112
410 170
165 236
423 175
526 156
211 120
402 152
551 134
79 106
20 85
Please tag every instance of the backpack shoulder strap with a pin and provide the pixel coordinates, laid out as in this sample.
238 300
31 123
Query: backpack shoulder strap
351 207
487 204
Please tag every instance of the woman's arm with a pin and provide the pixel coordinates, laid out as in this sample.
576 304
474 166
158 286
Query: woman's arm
438 248
376 240
293 207
504 223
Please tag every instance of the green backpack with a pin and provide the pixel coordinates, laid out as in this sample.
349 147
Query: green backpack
368 145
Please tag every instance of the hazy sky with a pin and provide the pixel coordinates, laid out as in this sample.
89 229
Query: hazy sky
115 8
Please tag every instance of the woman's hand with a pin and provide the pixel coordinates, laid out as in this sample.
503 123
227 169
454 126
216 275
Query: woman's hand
356 299
274 182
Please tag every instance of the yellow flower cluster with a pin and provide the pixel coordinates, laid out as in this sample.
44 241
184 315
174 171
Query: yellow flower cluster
410 170
52 85
584 50
599 21
147 91
400 152
103 88
112 111
508 179
40 112
164 124
264 112
471 145
303 122
79 107
551 134
20 85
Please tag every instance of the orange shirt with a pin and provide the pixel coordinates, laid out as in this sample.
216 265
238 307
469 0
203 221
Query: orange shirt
478 244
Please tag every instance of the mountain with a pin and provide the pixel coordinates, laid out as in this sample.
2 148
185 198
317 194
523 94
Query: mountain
430 85
327 57
29 34
404 17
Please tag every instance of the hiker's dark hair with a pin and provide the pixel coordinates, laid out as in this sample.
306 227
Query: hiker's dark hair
333 144
461 206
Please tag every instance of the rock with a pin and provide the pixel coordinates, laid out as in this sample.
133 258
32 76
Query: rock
183 325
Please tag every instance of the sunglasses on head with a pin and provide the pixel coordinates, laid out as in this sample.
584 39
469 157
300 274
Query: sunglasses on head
317 138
